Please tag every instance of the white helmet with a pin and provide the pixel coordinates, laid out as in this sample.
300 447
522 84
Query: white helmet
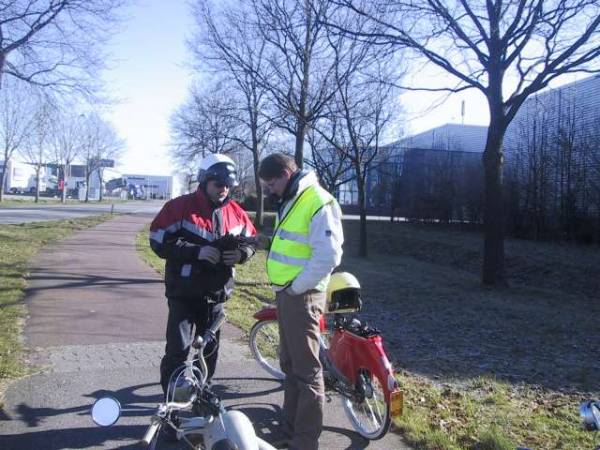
217 167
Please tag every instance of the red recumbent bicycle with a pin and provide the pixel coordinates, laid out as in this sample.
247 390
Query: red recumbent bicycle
354 361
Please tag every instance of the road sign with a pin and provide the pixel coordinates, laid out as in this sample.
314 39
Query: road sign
106 163
96 162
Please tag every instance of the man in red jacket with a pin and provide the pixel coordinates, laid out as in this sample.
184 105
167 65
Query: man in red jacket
188 233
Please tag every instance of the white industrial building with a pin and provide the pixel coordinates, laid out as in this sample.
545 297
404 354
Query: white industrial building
150 186
20 178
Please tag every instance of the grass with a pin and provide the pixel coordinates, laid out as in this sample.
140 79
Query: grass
18 244
427 280
489 414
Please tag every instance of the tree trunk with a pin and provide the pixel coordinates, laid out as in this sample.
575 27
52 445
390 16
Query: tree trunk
301 127
2 178
38 169
493 253
2 63
260 201
64 189
87 186
101 183
362 204
300 133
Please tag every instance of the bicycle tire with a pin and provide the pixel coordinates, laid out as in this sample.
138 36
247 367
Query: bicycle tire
224 444
264 344
375 409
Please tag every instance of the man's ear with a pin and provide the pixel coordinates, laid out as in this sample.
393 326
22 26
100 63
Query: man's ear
288 173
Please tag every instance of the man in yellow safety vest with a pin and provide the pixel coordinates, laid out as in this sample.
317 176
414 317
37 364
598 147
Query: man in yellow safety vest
305 247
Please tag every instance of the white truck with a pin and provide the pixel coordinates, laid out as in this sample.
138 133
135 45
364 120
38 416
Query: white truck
19 178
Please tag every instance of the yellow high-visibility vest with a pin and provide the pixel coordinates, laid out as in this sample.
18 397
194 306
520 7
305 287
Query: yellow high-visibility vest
290 251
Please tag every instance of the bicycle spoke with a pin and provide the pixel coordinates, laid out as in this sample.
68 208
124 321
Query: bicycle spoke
370 416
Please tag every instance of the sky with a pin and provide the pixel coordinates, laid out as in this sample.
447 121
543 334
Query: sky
150 79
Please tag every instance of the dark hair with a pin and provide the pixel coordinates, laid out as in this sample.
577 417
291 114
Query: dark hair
274 165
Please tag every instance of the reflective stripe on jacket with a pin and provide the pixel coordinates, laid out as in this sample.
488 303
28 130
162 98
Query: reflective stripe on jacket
182 227
290 251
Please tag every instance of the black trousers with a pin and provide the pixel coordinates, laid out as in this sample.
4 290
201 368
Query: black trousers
187 319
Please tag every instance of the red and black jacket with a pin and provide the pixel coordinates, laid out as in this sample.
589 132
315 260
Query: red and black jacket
181 228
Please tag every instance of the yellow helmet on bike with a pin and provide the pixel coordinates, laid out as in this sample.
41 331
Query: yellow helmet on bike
343 293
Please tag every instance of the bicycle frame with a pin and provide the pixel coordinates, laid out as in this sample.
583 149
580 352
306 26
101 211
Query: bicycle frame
348 353
230 426
220 428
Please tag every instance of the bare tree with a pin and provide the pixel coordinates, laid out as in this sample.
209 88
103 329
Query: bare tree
66 145
36 152
188 173
592 152
208 122
506 50
549 159
366 105
15 121
56 43
204 124
100 144
529 170
332 166
233 48
300 63
572 165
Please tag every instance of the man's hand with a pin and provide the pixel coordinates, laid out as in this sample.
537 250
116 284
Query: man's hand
231 257
210 254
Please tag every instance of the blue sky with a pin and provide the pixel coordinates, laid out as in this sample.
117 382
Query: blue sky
149 80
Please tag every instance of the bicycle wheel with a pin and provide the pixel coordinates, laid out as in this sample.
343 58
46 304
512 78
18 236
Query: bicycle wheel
370 416
264 343
224 444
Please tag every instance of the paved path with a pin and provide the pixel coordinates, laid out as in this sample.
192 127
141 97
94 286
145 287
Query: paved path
84 293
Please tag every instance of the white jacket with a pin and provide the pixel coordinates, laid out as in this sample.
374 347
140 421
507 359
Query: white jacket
325 238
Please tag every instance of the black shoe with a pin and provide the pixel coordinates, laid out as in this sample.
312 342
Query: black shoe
280 437
280 441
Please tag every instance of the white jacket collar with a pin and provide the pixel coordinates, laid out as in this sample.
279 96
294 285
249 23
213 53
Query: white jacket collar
308 180
305 181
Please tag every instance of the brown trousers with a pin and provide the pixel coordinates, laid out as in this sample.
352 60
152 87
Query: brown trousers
303 386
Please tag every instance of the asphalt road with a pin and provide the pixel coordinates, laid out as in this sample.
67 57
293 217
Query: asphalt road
46 212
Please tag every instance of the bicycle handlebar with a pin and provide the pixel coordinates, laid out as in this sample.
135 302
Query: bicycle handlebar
150 432
218 323
211 333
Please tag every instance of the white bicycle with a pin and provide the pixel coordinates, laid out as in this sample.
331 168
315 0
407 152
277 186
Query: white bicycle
218 428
